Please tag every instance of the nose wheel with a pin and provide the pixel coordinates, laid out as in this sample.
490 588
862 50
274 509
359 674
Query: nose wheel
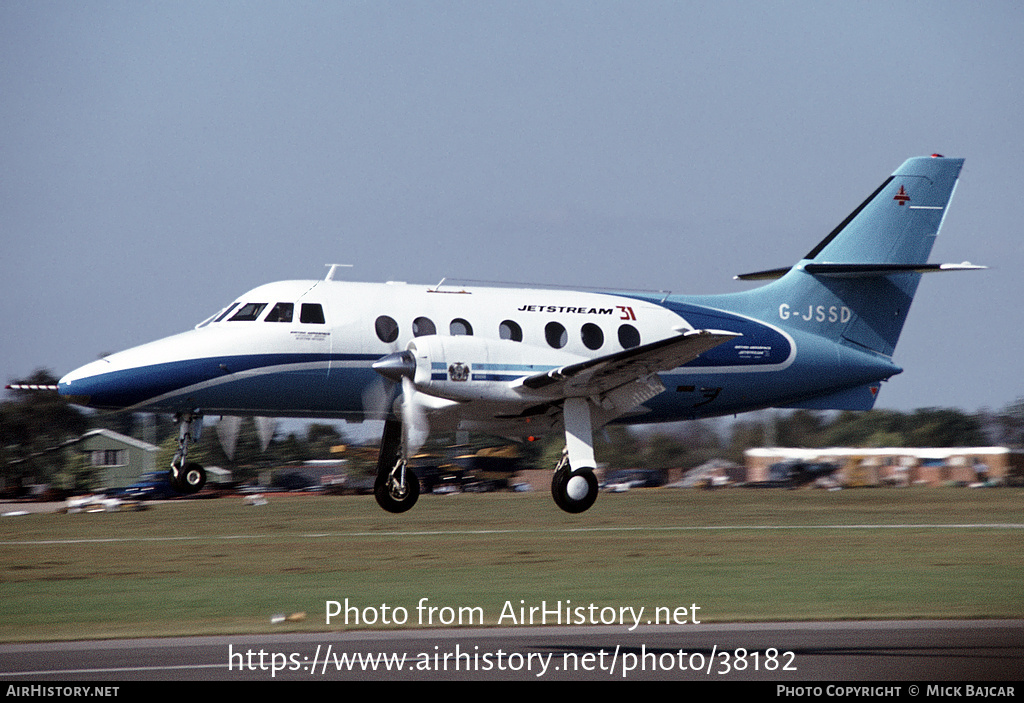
190 479
187 477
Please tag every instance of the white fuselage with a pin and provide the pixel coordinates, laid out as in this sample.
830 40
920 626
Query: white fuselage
306 349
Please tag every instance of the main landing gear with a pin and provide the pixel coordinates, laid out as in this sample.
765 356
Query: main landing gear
396 488
187 477
575 490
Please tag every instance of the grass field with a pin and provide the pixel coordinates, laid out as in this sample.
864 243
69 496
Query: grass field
219 566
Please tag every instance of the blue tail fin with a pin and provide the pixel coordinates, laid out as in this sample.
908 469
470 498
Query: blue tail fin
857 284
898 223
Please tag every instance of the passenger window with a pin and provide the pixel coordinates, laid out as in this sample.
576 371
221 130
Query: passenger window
249 312
386 329
460 327
556 335
422 327
312 314
593 337
282 312
629 336
510 330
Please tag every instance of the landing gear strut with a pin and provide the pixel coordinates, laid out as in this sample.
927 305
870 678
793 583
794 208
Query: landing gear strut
575 490
187 477
397 488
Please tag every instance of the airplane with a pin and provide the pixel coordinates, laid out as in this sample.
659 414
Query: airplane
522 362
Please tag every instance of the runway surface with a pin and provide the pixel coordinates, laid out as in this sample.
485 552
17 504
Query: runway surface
888 651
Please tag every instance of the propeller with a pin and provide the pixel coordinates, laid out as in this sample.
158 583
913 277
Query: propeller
415 427
400 367
396 366
227 433
229 426
379 396
266 427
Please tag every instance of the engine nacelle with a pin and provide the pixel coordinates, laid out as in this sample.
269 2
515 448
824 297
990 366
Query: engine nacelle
472 368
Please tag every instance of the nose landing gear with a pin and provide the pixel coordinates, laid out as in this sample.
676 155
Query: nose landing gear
187 477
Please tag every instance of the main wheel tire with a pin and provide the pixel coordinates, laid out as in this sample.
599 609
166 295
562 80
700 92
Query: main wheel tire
558 480
574 491
392 500
191 478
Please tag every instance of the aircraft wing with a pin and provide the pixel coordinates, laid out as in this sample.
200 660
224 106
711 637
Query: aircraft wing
605 373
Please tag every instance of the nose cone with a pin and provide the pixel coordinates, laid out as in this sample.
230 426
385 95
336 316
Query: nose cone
132 377
396 366
79 385
83 372
100 384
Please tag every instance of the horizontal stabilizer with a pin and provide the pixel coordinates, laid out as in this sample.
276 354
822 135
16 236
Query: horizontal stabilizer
769 275
861 270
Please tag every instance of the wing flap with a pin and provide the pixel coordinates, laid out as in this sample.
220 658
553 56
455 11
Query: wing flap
604 373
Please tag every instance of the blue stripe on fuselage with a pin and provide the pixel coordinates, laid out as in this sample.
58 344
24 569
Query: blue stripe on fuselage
760 345
136 386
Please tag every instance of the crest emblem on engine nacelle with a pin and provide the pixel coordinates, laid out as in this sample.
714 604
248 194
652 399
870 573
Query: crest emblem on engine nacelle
458 371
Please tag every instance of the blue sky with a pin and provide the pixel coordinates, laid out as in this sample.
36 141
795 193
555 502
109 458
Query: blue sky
158 159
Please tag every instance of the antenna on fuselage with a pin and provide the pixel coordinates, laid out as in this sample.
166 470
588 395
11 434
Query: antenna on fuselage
333 268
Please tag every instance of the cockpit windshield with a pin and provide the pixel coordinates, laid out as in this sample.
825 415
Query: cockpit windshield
310 313
226 311
282 312
248 312
217 317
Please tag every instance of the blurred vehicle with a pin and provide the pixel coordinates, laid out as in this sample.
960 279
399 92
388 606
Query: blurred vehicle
791 474
152 485
620 480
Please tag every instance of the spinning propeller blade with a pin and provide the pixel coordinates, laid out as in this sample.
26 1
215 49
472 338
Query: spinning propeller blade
415 427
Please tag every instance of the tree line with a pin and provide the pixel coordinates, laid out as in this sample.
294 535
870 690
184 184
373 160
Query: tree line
35 425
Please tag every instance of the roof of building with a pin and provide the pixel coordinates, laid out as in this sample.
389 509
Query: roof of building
117 437
919 452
